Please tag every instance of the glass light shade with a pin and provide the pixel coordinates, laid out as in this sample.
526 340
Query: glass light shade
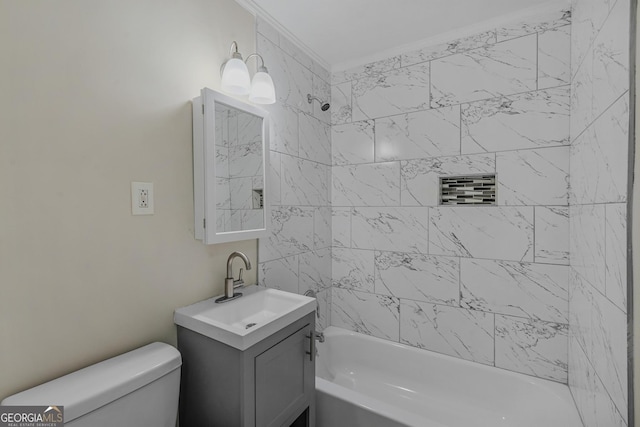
262 90
235 77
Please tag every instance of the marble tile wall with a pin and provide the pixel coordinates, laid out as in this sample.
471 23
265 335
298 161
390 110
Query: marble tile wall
296 256
488 284
238 170
598 210
536 284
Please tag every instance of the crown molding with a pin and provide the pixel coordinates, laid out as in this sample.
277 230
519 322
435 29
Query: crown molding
258 11
470 30
487 25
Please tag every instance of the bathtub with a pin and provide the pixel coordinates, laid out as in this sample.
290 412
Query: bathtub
363 381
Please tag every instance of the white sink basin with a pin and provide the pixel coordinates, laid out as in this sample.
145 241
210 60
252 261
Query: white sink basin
242 322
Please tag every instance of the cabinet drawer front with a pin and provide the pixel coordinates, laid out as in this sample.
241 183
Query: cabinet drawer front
284 375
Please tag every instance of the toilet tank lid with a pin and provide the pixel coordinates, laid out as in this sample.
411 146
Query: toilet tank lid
88 389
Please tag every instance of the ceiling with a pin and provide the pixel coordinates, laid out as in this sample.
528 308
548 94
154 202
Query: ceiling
342 33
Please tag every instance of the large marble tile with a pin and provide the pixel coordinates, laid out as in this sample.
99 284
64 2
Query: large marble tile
223 193
292 80
390 229
605 409
420 179
353 143
234 220
395 92
322 73
353 269
323 313
290 233
252 219
587 243
374 184
230 127
341 108
611 58
599 158
430 53
222 162
554 66
616 254
583 181
274 187
458 332
532 347
501 69
241 193
611 132
504 233
581 383
315 270
535 291
366 313
341 227
280 274
295 52
417 277
591 397
322 227
245 160
304 182
315 140
222 221
430 133
609 351
249 129
529 120
580 310
536 24
582 98
221 127
533 177
370 69
588 16
257 183
552 234
284 128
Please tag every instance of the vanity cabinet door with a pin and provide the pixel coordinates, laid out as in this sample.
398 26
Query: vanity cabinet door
285 379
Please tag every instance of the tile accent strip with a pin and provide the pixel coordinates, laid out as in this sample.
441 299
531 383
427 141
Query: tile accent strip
468 190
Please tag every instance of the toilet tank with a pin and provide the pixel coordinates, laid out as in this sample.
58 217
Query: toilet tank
139 388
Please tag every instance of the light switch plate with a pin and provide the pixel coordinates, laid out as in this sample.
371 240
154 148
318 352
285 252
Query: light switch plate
142 198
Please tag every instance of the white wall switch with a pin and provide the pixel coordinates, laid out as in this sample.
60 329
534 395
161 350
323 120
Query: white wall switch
142 198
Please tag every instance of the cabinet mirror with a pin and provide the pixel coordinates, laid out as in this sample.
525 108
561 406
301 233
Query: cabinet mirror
230 142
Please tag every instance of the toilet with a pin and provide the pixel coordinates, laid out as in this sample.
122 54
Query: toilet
139 388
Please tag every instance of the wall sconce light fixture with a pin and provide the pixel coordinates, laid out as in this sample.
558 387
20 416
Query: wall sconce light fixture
236 80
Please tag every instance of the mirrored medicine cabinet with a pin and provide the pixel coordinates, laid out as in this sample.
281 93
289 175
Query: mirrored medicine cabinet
230 158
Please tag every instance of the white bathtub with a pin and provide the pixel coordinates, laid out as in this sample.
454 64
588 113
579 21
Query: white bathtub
363 381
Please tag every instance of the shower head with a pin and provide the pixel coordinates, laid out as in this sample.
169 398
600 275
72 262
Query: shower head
324 106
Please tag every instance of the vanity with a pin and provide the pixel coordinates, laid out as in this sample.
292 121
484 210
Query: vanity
247 357
248 362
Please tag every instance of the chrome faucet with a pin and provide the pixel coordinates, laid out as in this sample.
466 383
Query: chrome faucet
230 283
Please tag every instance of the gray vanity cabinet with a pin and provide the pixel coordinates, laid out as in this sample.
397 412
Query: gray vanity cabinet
270 384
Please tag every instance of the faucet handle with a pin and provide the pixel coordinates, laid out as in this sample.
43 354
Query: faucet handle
238 283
